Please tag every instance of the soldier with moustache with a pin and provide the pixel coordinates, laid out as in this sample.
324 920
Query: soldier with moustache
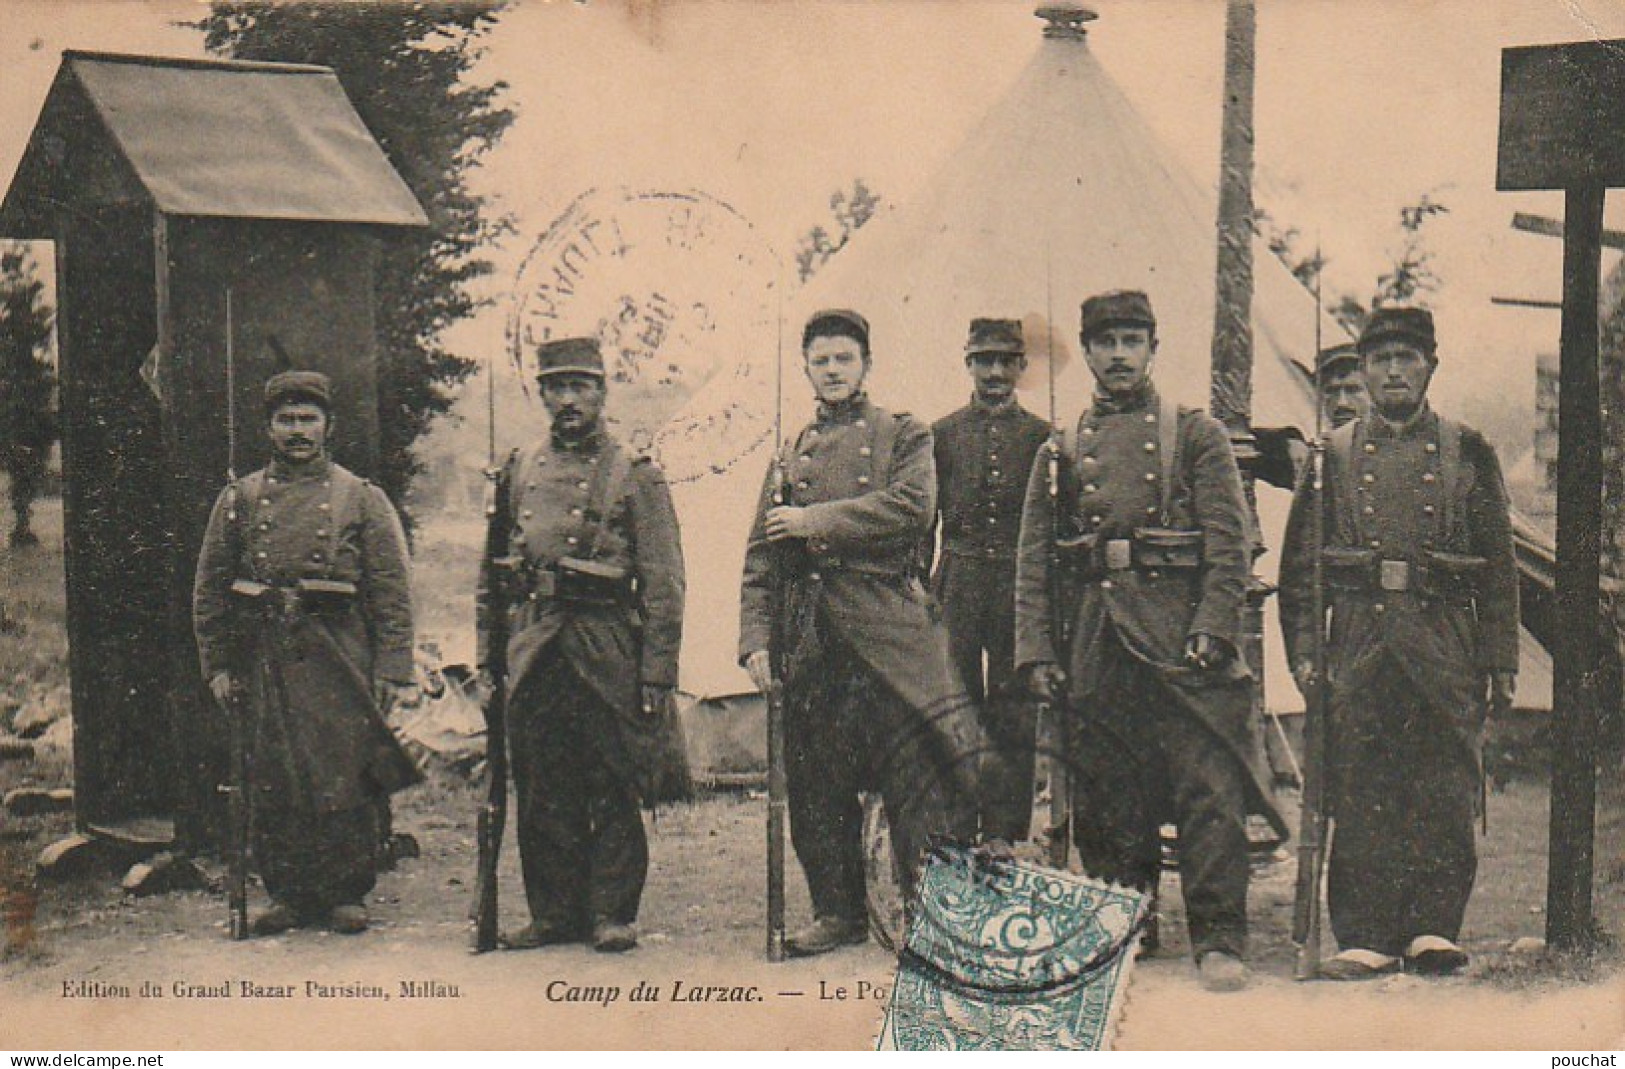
1341 384
1155 701
983 454
302 608
583 554
1421 593
832 609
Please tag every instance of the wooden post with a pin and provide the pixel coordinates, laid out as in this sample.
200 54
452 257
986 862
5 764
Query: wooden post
1576 653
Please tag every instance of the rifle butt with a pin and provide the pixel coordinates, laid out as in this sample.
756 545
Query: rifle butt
488 835
237 818
777 791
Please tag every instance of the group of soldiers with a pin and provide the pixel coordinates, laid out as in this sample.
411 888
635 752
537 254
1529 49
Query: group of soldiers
916 594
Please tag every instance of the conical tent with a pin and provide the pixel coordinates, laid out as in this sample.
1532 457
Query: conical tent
1060 192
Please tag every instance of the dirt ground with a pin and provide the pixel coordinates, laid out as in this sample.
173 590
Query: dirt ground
86 966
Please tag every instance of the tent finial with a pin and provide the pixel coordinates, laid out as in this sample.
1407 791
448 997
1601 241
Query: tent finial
1065 21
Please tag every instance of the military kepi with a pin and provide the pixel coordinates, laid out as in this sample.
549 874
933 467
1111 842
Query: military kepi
580 356
291 386
1414 325
838 321
995 336
1337 360
1116 308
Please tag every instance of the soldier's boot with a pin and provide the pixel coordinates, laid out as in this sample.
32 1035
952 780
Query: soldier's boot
280 917
611 938
1220 971
539 934
826 934
349 919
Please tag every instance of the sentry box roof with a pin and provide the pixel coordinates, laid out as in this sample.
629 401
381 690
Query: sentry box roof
202 138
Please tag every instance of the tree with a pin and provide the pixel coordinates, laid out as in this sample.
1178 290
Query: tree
406 67
851 210
27 384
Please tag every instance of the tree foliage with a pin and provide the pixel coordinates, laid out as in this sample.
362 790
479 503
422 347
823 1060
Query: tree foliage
407 67
27 381
851 210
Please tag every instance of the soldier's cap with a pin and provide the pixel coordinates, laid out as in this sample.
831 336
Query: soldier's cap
290 386
1408 324
1337 360
839 322
580 356
995 336
1115 308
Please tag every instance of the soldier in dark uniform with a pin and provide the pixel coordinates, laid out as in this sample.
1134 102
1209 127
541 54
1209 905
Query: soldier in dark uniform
583 551
1422 597
984 453
831 606
1157 704
302 605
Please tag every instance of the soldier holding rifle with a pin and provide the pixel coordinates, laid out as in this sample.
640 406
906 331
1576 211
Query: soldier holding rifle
831 608
591 579
303 616
1154 537
1421 597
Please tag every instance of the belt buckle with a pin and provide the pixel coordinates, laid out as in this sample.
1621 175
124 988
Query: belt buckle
1119 554
1394 576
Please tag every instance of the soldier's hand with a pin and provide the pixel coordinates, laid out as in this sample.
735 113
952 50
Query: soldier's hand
1206 652
656 699
786 521
1045 681
1501 686
391 695
1305 675
760 667
221 685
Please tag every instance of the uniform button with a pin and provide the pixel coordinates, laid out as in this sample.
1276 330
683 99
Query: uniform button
861 423
271 479
321 532
812 432
992 521
582 485
324 506
316 555
1095 520
1368 478
814 576
806 458
1431 447
1370 447
575 512
530 486
993 458
1090 488
863 480
527 514
1379 607
1086 429
265 526
1091 461
1150 417
593 461
801 485
1150 447
1376 543
1428 476
1150 476
572 540
1428 510
265 501
1369 510
995 473
260 555
1151 510
866 452
1105 584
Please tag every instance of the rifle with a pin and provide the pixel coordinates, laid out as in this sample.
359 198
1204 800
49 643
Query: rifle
777 785
1313 823
236 792
1060 787
236 789
492 818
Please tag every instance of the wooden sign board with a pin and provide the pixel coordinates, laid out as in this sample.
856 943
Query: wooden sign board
1562 116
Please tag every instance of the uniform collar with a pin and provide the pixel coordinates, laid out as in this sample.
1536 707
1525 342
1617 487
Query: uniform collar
1421 421
851 410
1007 407
1144 396
315 470
591 442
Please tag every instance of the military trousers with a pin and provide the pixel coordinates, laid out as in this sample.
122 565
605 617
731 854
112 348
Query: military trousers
1403 855
313 861
582 846
1140 760
847 732
977 595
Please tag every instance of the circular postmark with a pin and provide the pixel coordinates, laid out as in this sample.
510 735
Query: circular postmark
682 294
